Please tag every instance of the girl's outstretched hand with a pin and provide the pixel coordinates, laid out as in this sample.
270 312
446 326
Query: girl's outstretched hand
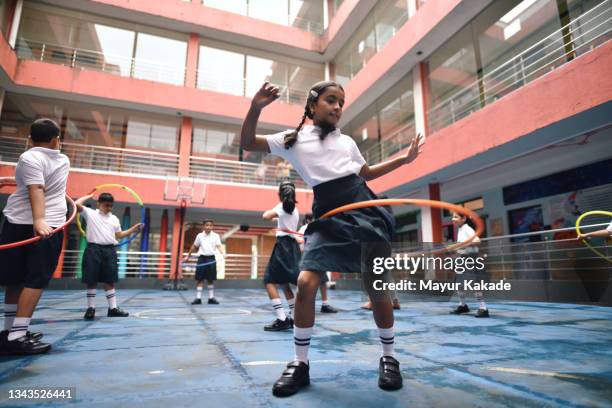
414 149
267 94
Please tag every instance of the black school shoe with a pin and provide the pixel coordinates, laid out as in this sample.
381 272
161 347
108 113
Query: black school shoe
389 375
196 302
23 346
90 313
213 301
280 325
460 310
482 313
293 378
116 312
328 309
32 335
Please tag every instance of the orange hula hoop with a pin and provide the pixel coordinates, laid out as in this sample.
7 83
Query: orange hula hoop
420 203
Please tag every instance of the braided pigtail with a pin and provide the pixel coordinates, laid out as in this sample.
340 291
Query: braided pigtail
292 137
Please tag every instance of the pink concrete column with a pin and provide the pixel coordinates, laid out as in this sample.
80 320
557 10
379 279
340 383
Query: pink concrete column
193 47
185 146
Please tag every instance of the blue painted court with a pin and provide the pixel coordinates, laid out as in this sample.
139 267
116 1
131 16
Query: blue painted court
169 353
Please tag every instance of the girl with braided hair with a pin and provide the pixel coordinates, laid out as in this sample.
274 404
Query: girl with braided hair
332 165
283 266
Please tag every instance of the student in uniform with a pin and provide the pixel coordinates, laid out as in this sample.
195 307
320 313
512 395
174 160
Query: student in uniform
37 206
206 243
332 165
283 266
464 231
100 257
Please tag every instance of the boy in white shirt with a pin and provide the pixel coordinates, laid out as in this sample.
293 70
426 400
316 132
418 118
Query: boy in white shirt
100 256
36 207
205 243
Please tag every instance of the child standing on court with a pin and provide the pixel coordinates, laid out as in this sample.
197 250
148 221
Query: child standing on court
205 243
464 231
333 166
284 263
36 207
100 257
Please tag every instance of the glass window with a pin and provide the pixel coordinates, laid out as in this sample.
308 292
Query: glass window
5 12
307 15
67 37
390 17
234 6
160 59
215 139
150 134
111 48
90 124
452 78
507 29
224 68
590 20
375 31
221 71
274 11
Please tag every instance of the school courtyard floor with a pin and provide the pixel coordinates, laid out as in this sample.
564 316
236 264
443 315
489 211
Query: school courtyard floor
171 354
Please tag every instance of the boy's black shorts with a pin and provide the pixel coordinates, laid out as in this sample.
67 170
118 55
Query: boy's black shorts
31 265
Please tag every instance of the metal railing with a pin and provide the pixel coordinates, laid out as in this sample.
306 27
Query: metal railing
391 145
587 32
549 259
244 7
546 255
101 158
132 161
100 61
239 172
133 264
233 85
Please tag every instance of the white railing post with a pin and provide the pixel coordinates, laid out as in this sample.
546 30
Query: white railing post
254 261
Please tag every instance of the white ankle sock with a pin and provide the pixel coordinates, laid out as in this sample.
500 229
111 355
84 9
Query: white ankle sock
278 309
20 328
199 292
481 302
91 298
211 291
387 340
112 298
301 342
9 315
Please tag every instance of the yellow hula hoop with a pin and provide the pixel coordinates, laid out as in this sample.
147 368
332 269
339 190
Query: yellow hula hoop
586 214
110 185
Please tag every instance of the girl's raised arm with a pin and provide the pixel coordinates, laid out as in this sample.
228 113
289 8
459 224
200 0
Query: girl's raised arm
248 139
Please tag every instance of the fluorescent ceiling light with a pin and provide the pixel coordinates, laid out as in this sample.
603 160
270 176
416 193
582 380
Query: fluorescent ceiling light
516 11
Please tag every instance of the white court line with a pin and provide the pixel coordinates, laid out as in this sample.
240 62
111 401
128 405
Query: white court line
209 314
284 362
534 372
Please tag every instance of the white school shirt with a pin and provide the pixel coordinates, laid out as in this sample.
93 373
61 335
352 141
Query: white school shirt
101 228
49 168
207 243
463 233
318 161
302 230
286 221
